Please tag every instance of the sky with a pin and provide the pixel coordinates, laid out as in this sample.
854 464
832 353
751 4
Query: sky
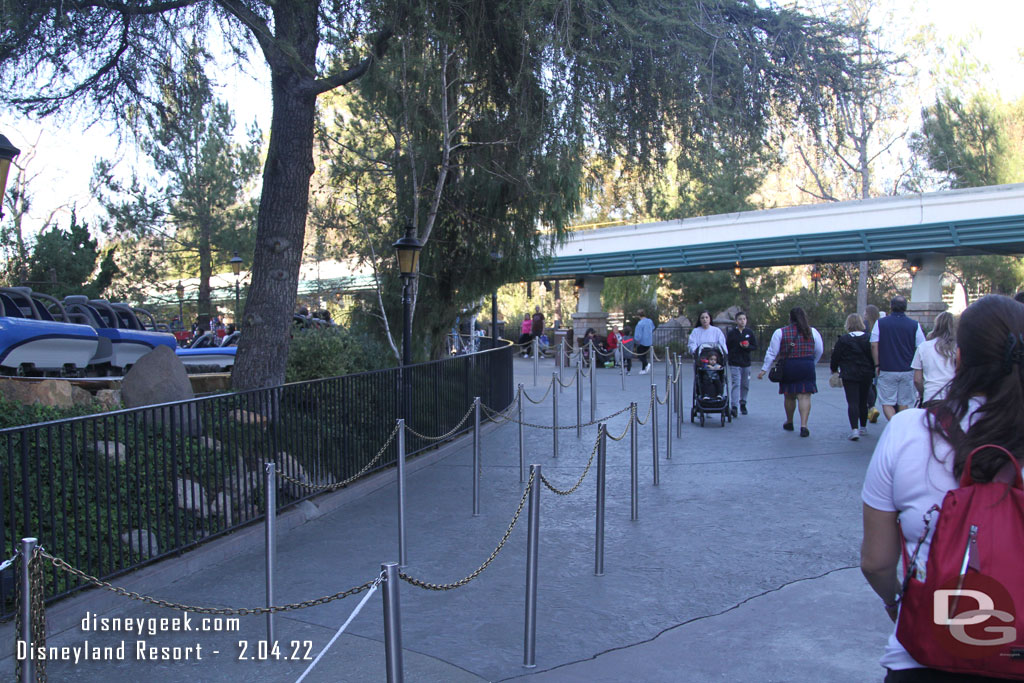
66 153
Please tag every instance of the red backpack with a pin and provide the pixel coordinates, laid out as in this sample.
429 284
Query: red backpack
966 614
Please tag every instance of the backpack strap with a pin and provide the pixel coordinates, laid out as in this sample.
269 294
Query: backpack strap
967 480
910 560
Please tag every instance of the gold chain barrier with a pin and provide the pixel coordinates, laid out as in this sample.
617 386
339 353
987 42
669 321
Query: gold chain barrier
542 398
337 485
447 434
629 424
158 602
479 570
583 476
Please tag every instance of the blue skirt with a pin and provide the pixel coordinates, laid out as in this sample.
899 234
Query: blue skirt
799 376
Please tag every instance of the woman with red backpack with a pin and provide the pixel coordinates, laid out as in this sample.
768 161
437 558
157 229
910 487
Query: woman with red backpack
944 491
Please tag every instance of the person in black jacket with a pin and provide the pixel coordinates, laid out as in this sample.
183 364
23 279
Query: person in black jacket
851 358
739 342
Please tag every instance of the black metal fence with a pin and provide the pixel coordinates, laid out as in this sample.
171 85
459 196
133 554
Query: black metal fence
111 492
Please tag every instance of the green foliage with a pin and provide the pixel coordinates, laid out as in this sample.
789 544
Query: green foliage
331 352
63 262
15 414
197 210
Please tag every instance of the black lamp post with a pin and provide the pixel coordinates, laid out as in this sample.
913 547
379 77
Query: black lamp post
7 154
408 251
236 268
815 276
180 290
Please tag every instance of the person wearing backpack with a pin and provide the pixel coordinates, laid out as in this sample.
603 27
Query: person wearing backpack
959 528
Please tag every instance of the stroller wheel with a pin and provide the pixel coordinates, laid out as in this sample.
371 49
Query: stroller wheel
723 419
702 419
693 415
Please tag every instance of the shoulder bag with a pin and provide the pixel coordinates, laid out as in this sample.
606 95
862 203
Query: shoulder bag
775 372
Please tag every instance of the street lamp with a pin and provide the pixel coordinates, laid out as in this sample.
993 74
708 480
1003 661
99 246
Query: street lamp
815 276
7 154
408 251
180 289
737 271
236 268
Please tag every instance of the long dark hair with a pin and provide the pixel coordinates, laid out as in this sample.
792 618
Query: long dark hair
990 338
799 318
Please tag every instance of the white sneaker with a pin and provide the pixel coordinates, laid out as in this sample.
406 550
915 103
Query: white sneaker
863 431
855 435
644 371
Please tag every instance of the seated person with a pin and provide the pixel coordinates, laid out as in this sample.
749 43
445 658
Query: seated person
589 336
710 373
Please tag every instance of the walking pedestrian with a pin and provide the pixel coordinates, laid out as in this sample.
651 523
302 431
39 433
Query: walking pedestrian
871 315
537 324
525 335
740 341
801 347
894 340
851 358
643 336
934 362
704 333
922 453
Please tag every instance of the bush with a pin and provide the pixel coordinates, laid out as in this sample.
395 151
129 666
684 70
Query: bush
331 352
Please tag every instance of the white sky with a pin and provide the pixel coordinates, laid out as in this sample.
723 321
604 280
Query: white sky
66 153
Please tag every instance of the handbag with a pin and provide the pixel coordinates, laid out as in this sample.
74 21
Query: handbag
776 371
835 381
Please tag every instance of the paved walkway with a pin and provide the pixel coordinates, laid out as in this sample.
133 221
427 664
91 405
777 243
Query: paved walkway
741 567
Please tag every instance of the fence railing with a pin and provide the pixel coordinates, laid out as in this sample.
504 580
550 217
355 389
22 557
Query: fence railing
111 492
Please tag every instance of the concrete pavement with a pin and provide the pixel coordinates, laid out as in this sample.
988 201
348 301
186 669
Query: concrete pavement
742 565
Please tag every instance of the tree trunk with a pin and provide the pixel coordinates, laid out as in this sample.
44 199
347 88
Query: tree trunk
862 287
267 318
205 271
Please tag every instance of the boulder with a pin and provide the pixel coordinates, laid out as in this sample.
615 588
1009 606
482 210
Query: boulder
222 507
52 392
210 444
114 451
80 396
290 466
248 417
142 542
109 399
191 497
159 377
16 390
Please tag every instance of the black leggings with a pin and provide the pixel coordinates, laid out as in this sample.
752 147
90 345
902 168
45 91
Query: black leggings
857 401
935 676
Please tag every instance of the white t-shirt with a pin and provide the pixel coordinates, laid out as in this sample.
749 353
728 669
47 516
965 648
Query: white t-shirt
904 477
938 370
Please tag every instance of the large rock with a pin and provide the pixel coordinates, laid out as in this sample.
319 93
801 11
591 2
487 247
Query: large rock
142 542
290 466
80 396
113 451
47 392
160 377
16 390
192 497
109 399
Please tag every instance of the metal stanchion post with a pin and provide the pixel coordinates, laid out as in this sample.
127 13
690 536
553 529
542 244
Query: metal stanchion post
679 396
579 398
532 548
622 364
668 365
650 362
654 433
270 487
28 550
392 624
669 391
554 414
561 363
522 467
402 559
476 456
602 451
593 382
535 347
634 465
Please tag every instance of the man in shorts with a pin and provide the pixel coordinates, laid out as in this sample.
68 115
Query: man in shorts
894 339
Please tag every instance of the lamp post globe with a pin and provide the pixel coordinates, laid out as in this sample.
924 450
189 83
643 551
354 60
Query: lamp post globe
7 154
407 249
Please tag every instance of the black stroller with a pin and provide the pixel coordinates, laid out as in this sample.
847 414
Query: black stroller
710 384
